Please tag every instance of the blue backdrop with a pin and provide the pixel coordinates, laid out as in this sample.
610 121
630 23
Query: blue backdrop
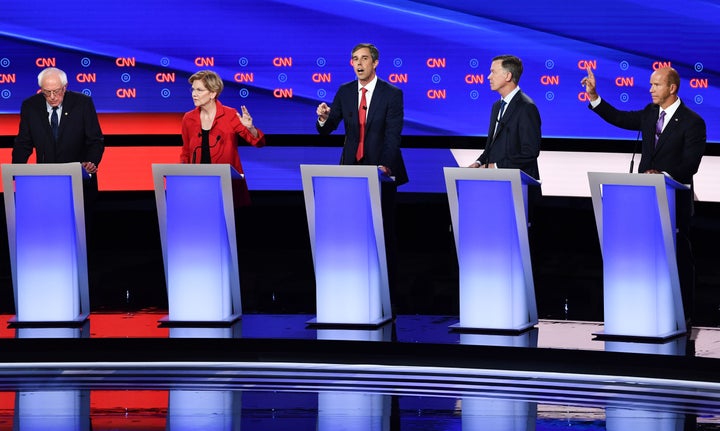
281 58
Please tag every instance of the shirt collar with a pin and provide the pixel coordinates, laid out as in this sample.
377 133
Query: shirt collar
370 85
510 95
670 111
49 108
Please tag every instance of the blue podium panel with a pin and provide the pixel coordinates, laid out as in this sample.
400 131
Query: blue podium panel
46 232
488 209
197 229
346 234
635 215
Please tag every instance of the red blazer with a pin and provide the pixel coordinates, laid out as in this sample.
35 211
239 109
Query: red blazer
223 140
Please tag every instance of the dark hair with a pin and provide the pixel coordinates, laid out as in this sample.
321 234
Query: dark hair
512 64
374 53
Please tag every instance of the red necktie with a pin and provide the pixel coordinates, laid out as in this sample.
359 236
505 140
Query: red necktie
362 116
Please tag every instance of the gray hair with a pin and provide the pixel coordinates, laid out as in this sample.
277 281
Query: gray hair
52 70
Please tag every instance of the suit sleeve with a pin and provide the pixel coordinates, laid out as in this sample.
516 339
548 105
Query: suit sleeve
94 142
528 143
23 147
186 138
628 120
693 147
335 117
244 133
393 130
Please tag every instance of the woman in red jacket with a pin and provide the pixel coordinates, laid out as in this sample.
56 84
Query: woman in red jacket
210 131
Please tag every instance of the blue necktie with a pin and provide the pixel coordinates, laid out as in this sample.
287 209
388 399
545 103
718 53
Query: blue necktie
54 122
500 114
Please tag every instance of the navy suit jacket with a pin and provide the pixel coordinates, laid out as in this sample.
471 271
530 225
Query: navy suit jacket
517 141
383 126
79 137
680 146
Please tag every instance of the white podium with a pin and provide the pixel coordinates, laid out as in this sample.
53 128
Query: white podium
635 217
348 245
46 236
488 209
197 230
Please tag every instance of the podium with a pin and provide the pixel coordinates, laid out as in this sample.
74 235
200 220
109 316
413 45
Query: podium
197 230
488 209
348 245
46 236
635 217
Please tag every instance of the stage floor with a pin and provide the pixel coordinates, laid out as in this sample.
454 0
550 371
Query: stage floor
271 371
123 370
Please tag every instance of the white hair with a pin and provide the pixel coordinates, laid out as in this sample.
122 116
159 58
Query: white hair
62 75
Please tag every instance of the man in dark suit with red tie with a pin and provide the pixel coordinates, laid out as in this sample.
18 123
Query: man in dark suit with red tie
383 111
673 143
378 107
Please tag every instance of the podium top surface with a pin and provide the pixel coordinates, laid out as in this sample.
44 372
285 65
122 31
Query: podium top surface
655 180
184 169
350 171
500 174
15 169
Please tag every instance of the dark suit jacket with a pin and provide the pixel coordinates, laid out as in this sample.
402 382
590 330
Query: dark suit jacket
680 147
382 129
79 137
517 142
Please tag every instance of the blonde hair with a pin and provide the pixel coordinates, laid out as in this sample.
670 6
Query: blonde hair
209 79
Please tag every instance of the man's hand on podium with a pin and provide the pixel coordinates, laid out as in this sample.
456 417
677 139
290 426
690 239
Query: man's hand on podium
478 165
385 170
89 167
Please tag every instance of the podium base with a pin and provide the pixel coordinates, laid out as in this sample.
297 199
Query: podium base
373 324
660 338
77 322
165 322
492 331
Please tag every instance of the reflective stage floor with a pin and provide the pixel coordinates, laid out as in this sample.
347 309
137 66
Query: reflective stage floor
122 371
270 371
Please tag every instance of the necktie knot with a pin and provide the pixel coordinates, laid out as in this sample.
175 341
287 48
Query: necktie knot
502 108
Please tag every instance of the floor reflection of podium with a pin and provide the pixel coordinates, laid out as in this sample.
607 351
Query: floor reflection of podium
498 414
527 338
46 235
488 208
383 333
207 410
353 411
675 347
635 217
196 214
52 410
643 420
348 244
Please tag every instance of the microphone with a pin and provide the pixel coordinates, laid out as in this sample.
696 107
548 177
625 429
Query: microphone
194 151
632 161
365 108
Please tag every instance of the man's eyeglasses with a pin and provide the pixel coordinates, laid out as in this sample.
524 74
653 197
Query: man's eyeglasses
50 93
